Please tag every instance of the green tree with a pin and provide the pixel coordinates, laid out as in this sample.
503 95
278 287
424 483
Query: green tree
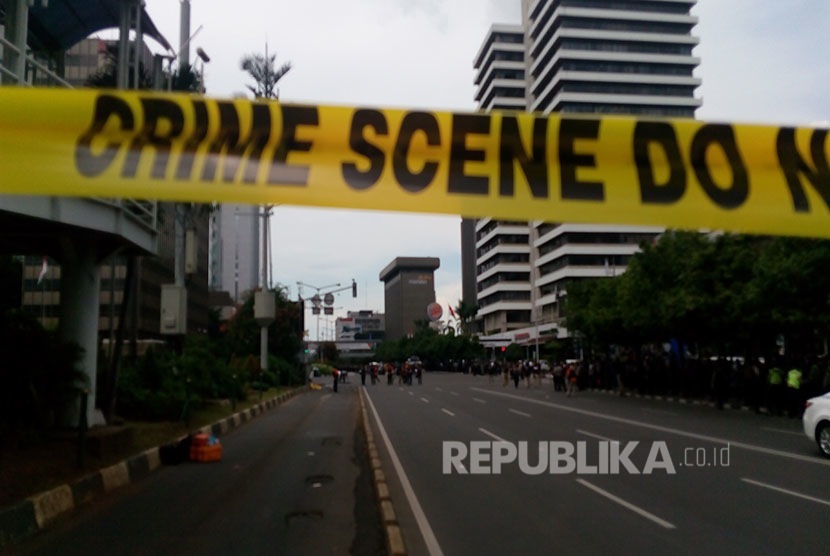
466 313
430 346
728 294
790 292
39 374
514 352
262 70
284 334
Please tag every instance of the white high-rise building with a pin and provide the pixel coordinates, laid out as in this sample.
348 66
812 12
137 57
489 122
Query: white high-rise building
580 56
234 251
502 249
611 56
500 69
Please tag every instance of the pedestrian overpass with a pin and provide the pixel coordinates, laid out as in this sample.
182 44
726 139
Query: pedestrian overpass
78 233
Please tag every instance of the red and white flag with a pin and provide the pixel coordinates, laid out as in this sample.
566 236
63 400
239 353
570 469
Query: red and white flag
452 313
43 270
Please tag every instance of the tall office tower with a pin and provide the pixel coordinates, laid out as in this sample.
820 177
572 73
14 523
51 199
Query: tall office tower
500 69
235 249
609 57
409 289
502 249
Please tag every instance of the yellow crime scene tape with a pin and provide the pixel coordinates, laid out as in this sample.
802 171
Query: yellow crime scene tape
557 168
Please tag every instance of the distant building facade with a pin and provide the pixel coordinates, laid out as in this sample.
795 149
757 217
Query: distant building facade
41 295
234 248
409 288
91 55
584 57
360 326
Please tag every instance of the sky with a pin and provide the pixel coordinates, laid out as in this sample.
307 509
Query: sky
761 61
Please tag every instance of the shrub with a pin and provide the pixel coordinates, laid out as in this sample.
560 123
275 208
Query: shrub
39 373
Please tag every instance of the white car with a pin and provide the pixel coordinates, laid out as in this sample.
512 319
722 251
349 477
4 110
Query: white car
817 422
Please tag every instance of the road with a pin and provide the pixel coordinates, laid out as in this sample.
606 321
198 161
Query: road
295 480
723 482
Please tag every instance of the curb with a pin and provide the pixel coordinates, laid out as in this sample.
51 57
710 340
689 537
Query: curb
394 540
37 512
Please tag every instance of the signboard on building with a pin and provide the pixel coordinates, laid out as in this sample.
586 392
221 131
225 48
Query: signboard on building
435 311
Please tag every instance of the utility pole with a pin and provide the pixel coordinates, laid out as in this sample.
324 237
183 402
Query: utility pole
264 300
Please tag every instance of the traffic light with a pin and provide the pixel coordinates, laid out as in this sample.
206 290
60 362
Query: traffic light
354 288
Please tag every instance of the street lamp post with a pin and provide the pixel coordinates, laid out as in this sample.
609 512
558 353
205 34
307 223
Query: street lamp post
327 299
205 59
316 301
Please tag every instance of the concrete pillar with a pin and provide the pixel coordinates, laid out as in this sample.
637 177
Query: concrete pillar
80 300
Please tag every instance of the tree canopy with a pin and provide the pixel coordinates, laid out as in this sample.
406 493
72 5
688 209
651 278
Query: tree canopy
430 346
262 70
728 293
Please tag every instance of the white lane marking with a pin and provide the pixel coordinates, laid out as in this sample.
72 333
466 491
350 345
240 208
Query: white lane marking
479 400
412 393
439 389
424 400
636 509
668 430
423 524
448 412
784 431
401 389
517 412
454 393
785 491
598 437
491 435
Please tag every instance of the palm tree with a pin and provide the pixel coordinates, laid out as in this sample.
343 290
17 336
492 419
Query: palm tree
261 69
466 314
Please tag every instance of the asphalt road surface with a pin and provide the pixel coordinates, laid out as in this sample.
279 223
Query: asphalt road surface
720 482
295 480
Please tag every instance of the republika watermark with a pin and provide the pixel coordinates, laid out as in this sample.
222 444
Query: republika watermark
482 457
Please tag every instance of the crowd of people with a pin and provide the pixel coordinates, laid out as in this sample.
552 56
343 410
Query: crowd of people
779 386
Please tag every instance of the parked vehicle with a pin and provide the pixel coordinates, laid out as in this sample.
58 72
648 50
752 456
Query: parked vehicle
816 421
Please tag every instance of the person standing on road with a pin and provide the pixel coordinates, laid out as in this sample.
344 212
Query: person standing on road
558 377
572 378
363 375
336 374
794 391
